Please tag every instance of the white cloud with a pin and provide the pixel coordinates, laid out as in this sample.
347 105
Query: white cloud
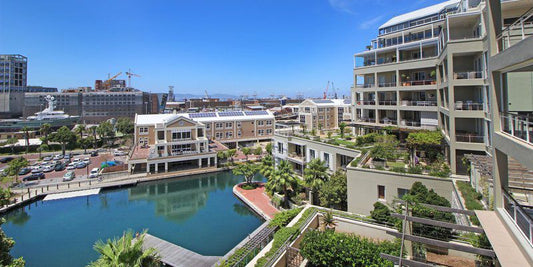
370 22
343 5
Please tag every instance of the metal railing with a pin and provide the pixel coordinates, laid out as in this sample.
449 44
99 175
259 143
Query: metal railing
521 218
468 75
388 121
469 138
420 103
468 105
366 120
365 85
506 38
388 102
366 102
517 126
387 84
418 82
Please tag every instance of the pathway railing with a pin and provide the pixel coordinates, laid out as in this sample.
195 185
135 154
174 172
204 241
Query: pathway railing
517 126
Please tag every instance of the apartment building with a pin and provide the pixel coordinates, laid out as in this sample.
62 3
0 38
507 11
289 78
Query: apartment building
299 151
13 81
236 127
324 114
169 142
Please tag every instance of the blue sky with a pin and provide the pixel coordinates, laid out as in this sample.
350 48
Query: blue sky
231 46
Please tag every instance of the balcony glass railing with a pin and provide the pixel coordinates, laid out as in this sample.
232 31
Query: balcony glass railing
419 103
418 82
517 126
388 102
387 84
366 102
516 32
468 105
468 75
469 138
520 216
388 121
365 85
363 119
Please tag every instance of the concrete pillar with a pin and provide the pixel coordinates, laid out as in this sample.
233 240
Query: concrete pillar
148 167
156 167
200 163
500 175
209 161
166 166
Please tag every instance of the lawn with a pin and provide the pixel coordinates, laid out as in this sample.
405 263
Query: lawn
394 164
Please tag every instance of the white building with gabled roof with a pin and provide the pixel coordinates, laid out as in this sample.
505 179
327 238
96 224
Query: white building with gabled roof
324 114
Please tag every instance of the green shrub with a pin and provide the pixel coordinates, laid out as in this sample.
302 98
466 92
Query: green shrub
283 218
417 169
328 248
366 139
398 169
249 186
472 199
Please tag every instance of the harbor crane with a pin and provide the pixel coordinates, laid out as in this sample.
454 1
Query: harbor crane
326 91
130 74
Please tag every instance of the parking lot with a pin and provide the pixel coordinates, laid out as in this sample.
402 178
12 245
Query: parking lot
57 176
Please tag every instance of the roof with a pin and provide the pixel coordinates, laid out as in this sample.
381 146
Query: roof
151 119
328 102
420 13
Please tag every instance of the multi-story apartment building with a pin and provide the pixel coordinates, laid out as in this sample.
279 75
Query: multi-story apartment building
94 107
169 142
234 127
324 114
13 80
40 89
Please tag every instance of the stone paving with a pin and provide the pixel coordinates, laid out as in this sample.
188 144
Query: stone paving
259 199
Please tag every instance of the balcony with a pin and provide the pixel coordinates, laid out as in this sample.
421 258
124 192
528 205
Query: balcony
468 75
521 216
388 102
419 103
469 137
365 85
516 32
419 82
297 157
517 126
387 84
366 119
388 121
468 105
366 102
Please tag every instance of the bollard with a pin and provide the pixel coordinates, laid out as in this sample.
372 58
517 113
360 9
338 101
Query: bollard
57 186
28 190
89 182
36 192
22 197
68 185
47 187
79 184
42 189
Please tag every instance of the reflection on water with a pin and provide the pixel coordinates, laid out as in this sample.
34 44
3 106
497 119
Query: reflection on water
18 217
179 200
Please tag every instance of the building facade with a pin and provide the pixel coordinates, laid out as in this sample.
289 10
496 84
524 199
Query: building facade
324 114
13 81
94 107
168 142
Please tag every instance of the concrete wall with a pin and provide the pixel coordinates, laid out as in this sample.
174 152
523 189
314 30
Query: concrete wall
363 187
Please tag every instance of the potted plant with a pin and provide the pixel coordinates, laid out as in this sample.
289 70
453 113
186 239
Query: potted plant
432 75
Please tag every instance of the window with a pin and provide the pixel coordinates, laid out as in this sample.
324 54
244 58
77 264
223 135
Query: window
381 191
260 123
268 122
181 135
239 133
401 192
143 141
229 125
208 126
312 154
229 135
239 124
302 118
160 150
280 148
219 125
200 132
218 135
269 131
180 149
326 159
260 132
143 130
160 135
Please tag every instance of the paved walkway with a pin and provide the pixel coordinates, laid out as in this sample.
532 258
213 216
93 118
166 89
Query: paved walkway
174 255
258 198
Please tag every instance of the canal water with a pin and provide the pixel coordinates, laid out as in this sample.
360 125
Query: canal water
199 213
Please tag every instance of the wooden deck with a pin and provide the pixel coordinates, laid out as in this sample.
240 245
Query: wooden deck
174 255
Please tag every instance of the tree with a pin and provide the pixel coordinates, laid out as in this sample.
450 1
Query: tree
429 141
385 147
5 196
45 130
246 151
248 170
220 156
315 174
15 166
26 131
6 244
63 136
342 127
41 148
230 153
93 129
124 252
334 192
328 222
268 148
11 142
258 151
80 129
125 126
267 166
105 131
283 179
85 143
381 213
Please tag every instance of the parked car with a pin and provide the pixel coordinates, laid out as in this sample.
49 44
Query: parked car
94 173
94 153
81 165
24 171
47 158
48 168
68 156
71 166
3 172
87 161
118 153
69 176
76 160
59 167
38 169
6 159
33 177
58 156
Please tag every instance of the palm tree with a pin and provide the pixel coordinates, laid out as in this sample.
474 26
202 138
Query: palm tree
328 222
125 252
246 151
93 128
342 126
26 131
80 129
45 129
315 174
282 180
267 166
229 154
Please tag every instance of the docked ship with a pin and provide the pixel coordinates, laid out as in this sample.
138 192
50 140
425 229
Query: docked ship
56 119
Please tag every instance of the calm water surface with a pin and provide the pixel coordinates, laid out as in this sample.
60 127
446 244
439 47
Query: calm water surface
199 213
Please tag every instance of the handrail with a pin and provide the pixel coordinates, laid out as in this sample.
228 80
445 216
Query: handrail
517 126
507 31
518 210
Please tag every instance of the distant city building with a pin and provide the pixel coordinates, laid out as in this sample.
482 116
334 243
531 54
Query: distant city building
210 104
13 80
94 107
40 89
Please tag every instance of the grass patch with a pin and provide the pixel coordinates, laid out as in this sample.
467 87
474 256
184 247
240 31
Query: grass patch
472 199
251 186
394 164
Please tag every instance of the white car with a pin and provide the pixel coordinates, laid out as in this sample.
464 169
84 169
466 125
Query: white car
71 166
94 173
87 161
119 153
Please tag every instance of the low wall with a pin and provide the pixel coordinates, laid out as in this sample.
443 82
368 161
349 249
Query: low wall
363 187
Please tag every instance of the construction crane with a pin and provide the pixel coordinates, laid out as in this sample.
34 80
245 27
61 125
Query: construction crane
334 90
206 94
129 73
107 83
326 91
